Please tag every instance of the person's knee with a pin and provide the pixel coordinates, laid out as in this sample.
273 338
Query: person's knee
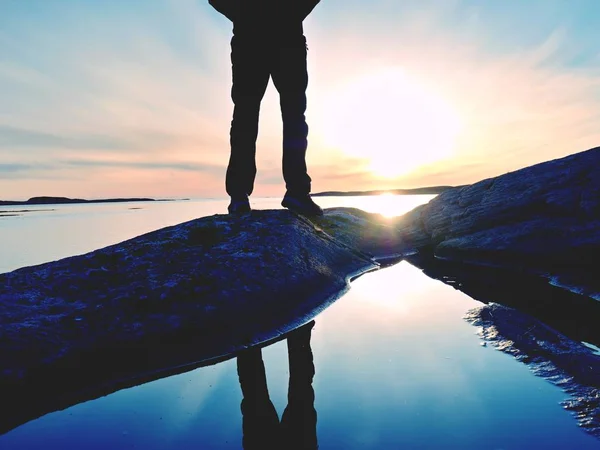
293 101
295 127
246 110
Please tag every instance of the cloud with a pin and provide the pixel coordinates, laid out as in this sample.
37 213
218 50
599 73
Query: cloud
13 167
12 137
141 165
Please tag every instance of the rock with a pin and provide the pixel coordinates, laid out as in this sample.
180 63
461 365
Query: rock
192 292
368 233
543 220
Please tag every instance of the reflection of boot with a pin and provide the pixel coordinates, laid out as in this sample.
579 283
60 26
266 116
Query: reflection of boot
299 421
260 422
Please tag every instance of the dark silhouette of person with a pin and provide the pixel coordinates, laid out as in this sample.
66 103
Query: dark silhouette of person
268 42
261 426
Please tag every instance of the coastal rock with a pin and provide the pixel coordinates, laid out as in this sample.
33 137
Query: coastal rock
544 220
192 292
371 234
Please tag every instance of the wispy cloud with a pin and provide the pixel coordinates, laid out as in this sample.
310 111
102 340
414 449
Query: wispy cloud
12 137
166 165
14 168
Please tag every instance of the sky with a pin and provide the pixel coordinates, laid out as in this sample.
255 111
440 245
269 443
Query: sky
132 98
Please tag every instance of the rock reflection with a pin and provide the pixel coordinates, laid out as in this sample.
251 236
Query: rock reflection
540 324
261 426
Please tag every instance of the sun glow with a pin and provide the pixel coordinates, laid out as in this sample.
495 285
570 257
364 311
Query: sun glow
392 121
388 205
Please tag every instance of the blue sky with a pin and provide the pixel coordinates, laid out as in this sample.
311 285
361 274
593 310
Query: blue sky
112 97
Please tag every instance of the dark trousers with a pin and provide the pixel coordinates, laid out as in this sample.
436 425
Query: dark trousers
254 61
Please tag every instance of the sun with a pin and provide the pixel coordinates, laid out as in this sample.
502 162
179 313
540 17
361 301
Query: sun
392 121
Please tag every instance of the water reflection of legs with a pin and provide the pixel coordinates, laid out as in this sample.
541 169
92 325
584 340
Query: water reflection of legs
298 429
260 421
299 421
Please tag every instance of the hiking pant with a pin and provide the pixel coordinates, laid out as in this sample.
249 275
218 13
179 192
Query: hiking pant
254 61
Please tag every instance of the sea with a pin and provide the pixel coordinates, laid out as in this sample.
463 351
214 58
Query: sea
396 366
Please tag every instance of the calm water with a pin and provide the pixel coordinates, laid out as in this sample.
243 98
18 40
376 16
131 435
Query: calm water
396 365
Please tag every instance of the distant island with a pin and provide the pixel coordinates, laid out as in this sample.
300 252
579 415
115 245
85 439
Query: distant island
65 200
431 190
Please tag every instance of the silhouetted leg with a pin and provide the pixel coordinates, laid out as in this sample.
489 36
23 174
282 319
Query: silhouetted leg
250 69
260 422
299 421
290 77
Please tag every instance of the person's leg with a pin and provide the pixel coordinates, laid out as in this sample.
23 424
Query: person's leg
250 71
260 422
290 77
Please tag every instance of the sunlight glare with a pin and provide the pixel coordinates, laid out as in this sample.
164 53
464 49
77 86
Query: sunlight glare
388 205
392 121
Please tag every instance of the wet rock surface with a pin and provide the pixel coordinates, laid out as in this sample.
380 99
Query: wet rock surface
543 219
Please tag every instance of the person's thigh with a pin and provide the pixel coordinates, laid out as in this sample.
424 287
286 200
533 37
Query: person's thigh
250 70
289 69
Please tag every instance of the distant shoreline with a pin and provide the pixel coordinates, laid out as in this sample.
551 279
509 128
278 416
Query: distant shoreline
431 190
66 200
46 200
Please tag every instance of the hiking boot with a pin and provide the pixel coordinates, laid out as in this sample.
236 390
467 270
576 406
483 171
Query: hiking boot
239 205
301 204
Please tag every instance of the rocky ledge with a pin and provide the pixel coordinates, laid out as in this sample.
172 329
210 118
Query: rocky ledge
542 220
188 293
